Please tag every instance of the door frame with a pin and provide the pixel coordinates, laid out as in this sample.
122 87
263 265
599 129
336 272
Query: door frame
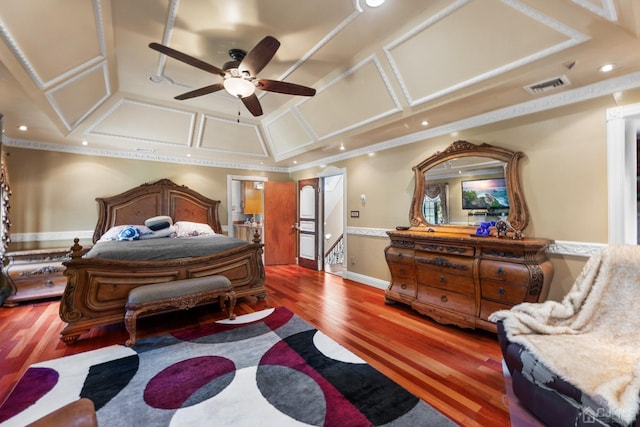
331 171
230 231
623 125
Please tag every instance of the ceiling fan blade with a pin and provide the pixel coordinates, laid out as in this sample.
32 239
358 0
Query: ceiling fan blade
183 57
252 104
199 92
284 87
259 56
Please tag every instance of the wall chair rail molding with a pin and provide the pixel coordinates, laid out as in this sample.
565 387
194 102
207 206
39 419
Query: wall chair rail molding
559 247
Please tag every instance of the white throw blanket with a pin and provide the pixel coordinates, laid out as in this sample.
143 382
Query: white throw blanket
592 338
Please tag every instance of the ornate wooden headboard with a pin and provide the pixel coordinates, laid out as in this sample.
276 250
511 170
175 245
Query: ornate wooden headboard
163 197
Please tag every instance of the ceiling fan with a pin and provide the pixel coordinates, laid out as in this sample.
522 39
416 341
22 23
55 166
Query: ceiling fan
239 75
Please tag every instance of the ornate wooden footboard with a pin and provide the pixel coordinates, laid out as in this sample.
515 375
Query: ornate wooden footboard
97 288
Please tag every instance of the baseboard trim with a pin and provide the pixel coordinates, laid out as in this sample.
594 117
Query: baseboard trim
366 280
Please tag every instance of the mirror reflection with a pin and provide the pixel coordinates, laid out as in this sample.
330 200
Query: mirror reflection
467 184
465 191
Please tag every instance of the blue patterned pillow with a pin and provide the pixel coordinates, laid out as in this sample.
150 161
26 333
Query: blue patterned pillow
128 233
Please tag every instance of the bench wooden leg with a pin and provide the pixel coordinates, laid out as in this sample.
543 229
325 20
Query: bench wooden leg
130 324
232 305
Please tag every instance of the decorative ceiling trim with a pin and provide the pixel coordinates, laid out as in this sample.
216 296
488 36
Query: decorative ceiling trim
120 103
166 36
15 48
255 127
281 155
398 107
87 151
607 9
326 39
606 87
51 94
574 38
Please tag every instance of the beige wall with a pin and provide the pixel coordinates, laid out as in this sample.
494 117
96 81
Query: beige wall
563 176
55 192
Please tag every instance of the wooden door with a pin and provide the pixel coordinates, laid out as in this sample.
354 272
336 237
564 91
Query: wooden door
279 223
308 202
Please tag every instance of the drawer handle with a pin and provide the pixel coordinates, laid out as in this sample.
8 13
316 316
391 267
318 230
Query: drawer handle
403 286
444 298
443 279
48 283
501 292
500 272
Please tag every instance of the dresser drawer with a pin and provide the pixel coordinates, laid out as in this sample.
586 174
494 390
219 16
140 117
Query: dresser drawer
460 266
461 303
399 256
489 307
507 272
502 291
446 249
442 280
403 280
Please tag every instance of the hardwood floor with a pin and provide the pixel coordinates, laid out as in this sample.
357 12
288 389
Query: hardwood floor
459 372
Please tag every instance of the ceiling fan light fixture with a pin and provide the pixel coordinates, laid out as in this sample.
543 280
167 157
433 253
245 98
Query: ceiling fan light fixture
374 3
239 87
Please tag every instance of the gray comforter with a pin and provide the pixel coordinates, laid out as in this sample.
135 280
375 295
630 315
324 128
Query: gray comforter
164 248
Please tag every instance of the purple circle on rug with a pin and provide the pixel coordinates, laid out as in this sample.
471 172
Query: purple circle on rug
189 382
34 384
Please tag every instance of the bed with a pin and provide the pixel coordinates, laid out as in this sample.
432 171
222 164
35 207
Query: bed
98 285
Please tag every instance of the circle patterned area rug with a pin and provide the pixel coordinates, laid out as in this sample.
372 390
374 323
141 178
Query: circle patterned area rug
269 368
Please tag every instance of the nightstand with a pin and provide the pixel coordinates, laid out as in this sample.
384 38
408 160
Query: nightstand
35 274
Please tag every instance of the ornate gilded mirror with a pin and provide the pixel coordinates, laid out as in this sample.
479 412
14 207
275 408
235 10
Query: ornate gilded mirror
446 188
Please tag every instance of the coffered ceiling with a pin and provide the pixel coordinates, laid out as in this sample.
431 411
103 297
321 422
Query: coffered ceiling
75 71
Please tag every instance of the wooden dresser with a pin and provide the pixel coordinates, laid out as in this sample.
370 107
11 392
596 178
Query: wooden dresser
461 279
35 274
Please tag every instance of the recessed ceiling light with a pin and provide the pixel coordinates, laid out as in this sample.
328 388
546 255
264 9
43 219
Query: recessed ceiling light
424 123
295 162
23 128
342 147
188 154
606 68
85 142
372 154
454 134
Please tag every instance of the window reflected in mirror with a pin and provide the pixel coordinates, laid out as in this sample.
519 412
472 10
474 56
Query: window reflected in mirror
466 183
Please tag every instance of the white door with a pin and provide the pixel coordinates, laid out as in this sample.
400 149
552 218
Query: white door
308 198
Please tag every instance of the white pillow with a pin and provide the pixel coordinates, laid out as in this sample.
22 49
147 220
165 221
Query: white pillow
113 232
159 222
165 232
189 229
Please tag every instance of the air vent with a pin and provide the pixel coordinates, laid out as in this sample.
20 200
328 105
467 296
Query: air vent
547 85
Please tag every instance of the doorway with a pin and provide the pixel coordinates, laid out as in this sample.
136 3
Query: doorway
623 132
242 218
333 223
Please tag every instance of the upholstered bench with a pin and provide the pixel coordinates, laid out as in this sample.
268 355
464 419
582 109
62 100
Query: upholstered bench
176 295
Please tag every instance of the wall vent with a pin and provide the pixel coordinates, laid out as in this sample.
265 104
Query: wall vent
547 85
